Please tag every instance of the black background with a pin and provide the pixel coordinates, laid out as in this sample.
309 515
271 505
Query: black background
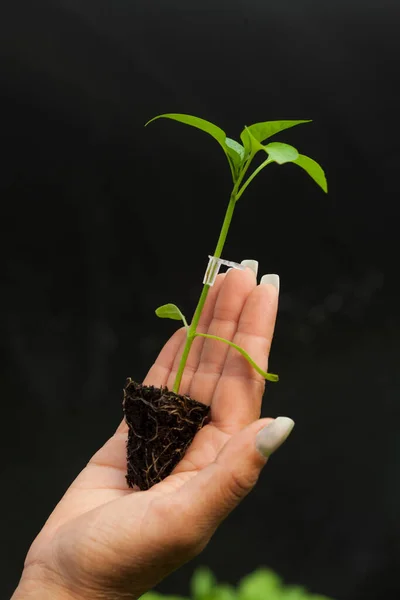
103 220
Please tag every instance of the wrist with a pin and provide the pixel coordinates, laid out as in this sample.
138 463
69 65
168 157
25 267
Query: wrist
35 585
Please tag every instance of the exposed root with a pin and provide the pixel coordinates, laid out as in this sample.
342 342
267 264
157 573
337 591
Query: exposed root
162 426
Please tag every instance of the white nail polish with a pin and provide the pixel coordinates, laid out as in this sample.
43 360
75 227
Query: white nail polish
273 435
251 264
272 279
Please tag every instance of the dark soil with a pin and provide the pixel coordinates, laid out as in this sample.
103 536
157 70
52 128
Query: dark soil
162 426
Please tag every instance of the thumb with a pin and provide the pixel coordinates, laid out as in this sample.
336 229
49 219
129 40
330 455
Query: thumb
220 487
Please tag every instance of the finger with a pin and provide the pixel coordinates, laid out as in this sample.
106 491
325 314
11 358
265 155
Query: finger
254 331
228 307
107 467
239 379
158 373
210 496
195 351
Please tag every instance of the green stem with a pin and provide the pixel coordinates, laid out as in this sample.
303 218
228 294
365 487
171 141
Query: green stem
269 376
191 332
190 335
250 179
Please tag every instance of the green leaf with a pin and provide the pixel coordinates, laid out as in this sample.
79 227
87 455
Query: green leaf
213 130
269 376
223 592
202 583
265 130
260 585
236 147
314 170
216 132
295 592
281 153
236 153
170 311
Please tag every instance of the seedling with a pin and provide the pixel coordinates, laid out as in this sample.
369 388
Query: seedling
149 410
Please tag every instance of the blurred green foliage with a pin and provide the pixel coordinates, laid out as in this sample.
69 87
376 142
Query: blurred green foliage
263 584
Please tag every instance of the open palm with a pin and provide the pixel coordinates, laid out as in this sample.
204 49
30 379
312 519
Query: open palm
105 537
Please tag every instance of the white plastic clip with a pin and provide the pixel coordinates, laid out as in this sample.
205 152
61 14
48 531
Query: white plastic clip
214 265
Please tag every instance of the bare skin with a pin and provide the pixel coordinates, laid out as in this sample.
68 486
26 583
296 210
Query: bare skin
105 541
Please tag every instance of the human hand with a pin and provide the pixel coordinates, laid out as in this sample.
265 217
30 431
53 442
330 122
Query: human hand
106 541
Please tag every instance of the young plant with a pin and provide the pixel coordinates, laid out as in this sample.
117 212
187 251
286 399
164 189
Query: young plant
240 156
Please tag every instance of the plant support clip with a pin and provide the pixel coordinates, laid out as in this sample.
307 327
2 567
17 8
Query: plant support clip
213 267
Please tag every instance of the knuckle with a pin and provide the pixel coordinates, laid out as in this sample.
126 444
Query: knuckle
241 484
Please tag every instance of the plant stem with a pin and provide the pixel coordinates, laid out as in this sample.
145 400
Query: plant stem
252 176
269 376
191 332
203 297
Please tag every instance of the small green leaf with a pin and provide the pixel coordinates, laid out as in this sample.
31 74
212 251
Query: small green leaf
202 583
263 131
170 311
235 153
313 169
236 147
281 153
269 376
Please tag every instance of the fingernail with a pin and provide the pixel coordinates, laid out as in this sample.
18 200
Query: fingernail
273 435
272 279
252 264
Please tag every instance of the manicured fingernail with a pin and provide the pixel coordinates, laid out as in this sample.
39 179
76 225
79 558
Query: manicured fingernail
273 435
272 279
252 264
